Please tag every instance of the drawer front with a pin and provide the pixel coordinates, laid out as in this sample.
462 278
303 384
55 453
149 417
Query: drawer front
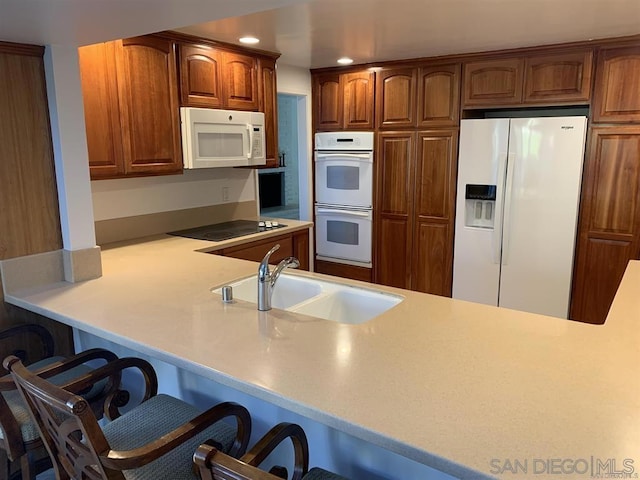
256 251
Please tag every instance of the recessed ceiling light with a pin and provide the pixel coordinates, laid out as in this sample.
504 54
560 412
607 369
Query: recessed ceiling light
345 61
249 40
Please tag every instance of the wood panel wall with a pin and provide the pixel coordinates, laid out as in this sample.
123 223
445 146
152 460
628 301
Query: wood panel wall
29 215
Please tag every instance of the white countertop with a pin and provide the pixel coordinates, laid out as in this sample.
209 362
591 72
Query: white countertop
447 383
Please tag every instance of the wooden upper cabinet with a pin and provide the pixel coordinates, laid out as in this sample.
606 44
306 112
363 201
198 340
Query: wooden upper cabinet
343 101
240 81
439 95
130 97
396 97
268 104
211 77
493 82
327 101
101 109
616 93
358 100
609 222
558 78
200 76
149 115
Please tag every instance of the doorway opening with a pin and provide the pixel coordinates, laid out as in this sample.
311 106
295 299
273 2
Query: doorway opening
280 187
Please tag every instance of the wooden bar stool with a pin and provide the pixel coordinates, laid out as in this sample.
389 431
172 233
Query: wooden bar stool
22 453
154 440
216 465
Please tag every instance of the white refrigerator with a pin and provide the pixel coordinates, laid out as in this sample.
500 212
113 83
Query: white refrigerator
516 212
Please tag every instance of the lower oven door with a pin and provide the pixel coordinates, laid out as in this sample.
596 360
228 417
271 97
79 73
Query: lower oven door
343 235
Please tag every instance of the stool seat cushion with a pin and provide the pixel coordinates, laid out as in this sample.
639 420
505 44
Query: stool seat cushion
19 409
156 417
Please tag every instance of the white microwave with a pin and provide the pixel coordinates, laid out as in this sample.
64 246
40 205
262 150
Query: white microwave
222 138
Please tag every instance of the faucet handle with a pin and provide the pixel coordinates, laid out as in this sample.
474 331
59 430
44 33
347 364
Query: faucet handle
270 252
263 269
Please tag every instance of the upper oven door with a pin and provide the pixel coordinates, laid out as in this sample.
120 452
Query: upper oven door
344 178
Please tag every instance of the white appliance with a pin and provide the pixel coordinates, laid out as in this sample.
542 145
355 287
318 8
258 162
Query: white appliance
343 194
516 212
222 138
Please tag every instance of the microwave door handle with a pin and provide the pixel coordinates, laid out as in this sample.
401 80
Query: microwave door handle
350 213
250 137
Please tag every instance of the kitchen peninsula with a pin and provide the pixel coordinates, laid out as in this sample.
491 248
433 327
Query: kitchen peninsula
465 389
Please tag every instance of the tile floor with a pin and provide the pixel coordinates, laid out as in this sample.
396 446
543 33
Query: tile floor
287 211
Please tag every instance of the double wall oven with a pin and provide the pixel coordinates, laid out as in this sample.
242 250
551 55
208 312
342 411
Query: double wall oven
344 197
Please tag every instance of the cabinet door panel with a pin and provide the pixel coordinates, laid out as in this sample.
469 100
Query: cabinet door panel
396 98
101 110
617 170
616 94
435 173
301 248
609 220
432 259
439 95
558 78
600 272
255 251
29 214
392 265
240 86
394 200
328 102
493 82
269 105
358 100
200 79
149 105
394 160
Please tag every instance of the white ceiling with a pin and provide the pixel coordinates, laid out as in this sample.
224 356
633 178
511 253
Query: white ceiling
314 33
82 22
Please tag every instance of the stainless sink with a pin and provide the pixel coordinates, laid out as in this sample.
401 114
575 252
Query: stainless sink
320 298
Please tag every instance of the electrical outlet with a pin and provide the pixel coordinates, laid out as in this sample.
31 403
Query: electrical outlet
225 194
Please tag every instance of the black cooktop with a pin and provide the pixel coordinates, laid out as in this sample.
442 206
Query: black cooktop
227 230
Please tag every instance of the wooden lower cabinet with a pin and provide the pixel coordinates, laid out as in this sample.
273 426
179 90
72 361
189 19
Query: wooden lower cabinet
293 244
415 196
343 270
393 252
609 232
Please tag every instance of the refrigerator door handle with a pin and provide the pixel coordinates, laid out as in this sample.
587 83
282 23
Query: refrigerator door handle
506 223
495 241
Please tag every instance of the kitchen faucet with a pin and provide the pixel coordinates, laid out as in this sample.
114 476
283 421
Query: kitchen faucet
267 279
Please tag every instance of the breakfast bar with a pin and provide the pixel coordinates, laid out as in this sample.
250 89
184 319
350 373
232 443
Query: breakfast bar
463 389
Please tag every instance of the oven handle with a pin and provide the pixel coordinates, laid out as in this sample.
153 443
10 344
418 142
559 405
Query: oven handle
351 213
362 157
